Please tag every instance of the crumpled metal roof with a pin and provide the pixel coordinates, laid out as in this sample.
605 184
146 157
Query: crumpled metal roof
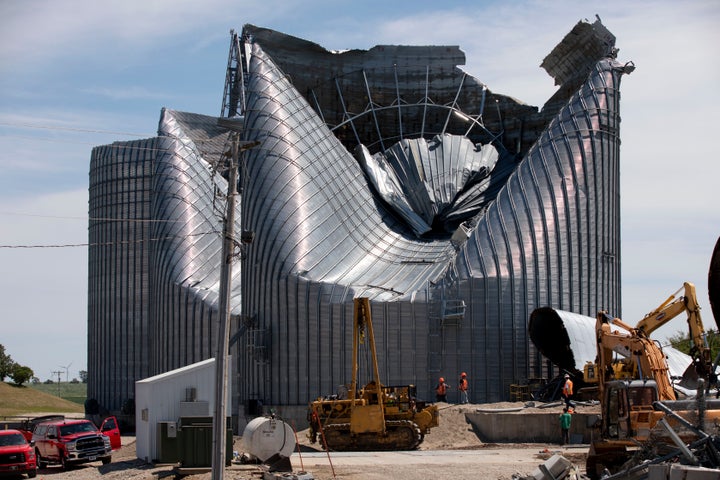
429 182
568 340
312 205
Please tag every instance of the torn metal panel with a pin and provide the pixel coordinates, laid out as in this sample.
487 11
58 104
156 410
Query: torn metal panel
568 340
714 283
423 179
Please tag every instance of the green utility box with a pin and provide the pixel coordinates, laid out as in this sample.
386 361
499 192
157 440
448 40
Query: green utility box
168 443
196 439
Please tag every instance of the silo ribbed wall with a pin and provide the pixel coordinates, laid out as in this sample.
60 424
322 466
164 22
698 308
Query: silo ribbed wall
186 253
156 209
118 263
553 235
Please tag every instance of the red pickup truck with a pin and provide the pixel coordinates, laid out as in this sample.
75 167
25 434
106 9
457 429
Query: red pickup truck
16 454
69 442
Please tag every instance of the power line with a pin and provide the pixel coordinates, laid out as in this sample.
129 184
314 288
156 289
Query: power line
105 244
72 129
96 219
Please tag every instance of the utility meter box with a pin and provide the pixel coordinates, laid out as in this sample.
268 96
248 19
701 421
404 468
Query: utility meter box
168 443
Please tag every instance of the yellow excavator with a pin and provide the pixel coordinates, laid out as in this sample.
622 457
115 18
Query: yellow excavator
377 417
674 305
628 408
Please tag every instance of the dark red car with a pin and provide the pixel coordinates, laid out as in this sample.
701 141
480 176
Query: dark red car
16 454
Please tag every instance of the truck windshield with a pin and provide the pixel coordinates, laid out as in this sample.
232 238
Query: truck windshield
76 428
12 440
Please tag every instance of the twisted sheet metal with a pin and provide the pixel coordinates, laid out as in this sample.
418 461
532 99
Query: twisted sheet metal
568 340
156 217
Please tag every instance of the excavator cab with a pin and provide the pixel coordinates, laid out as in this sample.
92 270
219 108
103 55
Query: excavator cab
616 414
628 409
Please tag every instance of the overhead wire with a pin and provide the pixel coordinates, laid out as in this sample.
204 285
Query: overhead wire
119 242
113 146
71 129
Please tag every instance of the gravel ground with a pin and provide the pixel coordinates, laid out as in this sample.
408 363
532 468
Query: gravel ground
495 461
450 451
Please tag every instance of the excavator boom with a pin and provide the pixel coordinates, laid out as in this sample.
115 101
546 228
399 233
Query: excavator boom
645 353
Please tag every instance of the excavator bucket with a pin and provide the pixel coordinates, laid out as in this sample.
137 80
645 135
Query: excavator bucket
689 378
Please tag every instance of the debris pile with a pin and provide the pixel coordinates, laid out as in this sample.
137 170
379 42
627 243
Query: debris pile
554 468
658 455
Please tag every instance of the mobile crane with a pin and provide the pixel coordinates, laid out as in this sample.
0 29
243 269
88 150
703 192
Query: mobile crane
378 417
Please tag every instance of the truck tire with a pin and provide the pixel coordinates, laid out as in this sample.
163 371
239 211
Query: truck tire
40 462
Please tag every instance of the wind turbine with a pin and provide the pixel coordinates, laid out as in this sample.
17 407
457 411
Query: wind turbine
67 370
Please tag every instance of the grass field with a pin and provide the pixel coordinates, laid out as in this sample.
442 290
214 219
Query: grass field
28 400
74 392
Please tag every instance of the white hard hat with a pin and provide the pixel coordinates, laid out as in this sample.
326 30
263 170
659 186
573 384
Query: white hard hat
567 375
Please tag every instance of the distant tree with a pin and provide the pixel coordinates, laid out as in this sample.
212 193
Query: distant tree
83 376
74 380
35 380
681 341
48 382
6 364
21 374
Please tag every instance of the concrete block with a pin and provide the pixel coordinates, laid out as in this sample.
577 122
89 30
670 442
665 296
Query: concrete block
686 472
658 472
557 465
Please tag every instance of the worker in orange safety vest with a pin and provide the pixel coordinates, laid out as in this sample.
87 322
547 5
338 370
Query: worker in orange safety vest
567 391
463 388
441 390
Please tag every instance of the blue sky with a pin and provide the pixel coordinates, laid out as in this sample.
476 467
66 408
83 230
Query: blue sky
80 73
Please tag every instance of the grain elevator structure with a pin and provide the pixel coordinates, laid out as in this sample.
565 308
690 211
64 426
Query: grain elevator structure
388 173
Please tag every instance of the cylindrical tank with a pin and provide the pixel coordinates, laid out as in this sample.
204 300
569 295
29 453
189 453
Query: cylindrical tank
266 436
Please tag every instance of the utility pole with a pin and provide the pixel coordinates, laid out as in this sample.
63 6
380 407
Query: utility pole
223 338
58 373
67 372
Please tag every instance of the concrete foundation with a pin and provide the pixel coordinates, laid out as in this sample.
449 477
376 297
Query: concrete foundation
520 427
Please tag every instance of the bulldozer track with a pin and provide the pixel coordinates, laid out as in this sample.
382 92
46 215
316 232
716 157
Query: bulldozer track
399 435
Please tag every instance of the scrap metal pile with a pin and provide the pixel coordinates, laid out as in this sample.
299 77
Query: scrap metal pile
674 442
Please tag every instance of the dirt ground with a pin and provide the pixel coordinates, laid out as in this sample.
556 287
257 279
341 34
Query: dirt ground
450 451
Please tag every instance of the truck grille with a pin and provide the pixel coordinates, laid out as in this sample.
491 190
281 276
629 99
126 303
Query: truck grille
9 458
89 443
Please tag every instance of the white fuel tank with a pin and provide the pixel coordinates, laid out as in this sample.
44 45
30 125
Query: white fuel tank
266 436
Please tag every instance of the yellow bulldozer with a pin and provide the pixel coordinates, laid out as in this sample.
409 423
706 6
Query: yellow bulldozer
376 417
